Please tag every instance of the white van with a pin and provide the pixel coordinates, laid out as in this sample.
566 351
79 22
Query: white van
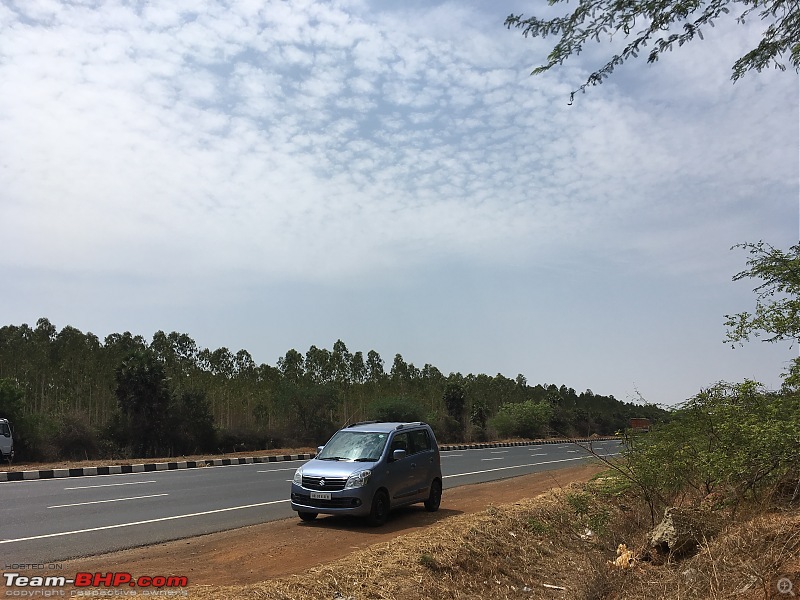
6 441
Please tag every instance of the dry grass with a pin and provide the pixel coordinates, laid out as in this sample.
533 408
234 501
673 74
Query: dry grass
540 548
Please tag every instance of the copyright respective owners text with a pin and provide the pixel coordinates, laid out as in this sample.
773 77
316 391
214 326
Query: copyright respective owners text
50 580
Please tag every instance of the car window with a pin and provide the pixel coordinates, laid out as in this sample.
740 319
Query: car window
354 445
400 442
4 429
420 441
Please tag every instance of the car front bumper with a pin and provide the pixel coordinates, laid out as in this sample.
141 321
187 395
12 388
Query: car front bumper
357 501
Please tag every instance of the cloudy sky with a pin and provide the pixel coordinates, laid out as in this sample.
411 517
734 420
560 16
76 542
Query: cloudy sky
269 175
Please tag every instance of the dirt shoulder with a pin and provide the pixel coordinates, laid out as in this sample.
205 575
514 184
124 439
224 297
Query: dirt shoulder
257 553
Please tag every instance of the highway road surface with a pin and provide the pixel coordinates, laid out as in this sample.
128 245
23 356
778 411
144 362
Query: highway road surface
48 520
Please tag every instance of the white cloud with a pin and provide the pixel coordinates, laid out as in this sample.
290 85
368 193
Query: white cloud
340 142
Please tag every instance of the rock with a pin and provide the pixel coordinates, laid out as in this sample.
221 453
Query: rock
682 530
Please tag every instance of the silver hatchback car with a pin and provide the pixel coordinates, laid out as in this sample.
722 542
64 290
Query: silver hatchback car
367 469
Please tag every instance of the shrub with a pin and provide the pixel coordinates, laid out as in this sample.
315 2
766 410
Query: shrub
74 438
736 439
522 419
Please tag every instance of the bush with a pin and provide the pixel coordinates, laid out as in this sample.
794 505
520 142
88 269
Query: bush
74 438
446 429
527 419
192 430
736 439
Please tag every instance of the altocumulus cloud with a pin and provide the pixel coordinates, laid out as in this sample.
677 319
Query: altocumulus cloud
352 141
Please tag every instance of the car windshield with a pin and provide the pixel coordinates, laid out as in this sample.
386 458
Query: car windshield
354 446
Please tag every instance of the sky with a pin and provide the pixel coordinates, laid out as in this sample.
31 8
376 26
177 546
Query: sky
268 175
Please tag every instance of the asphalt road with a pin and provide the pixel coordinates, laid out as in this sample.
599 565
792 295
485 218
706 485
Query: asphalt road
48 520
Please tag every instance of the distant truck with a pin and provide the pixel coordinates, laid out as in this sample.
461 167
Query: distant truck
6 441
639 426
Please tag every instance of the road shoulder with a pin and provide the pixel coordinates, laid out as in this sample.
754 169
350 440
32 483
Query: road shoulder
254 554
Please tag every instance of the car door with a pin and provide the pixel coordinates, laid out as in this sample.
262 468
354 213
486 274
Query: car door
402 473
423 465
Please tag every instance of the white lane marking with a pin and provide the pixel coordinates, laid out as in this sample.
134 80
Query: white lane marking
88 487
540 454
148 521
448 455
498 452
106 501
276 470
571 451
498 458
547 462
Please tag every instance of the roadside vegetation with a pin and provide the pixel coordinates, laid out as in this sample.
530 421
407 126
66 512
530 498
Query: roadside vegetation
729 458
73 397
706 505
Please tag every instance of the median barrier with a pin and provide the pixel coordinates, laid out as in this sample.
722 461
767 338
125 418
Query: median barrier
220 462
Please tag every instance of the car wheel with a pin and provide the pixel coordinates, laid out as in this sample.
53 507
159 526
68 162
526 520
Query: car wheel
307 516
435 497
380 509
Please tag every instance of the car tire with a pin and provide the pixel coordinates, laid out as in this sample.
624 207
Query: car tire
380 509
435 496
307 516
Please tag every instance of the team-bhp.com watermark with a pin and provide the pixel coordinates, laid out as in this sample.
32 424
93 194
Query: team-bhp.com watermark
92 585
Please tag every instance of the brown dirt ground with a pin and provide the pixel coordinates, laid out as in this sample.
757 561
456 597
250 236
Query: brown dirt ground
278 548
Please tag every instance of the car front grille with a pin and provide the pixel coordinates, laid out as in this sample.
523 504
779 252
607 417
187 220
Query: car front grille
307 500
324 484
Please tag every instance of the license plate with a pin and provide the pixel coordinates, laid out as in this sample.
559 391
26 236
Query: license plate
320 495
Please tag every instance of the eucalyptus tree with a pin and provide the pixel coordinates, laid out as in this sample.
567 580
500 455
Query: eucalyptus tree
144 399
292 365
375 371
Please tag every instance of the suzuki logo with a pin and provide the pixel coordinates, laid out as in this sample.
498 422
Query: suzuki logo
321 483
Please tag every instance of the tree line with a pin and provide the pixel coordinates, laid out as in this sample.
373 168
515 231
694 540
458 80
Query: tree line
72 395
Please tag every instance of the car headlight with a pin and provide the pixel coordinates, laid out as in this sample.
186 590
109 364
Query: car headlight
358 479
298 476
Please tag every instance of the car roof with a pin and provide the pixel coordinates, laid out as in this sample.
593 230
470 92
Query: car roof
382 427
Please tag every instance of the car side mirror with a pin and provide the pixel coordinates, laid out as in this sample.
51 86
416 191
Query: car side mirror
319 449
398 454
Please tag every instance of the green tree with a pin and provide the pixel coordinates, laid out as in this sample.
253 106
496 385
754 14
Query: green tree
341 363
522 419
455 400
738 440
375 370
292 366
777 312
401 409
191 423
654 26
144 399
11 400
319 365
358 368
311 409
